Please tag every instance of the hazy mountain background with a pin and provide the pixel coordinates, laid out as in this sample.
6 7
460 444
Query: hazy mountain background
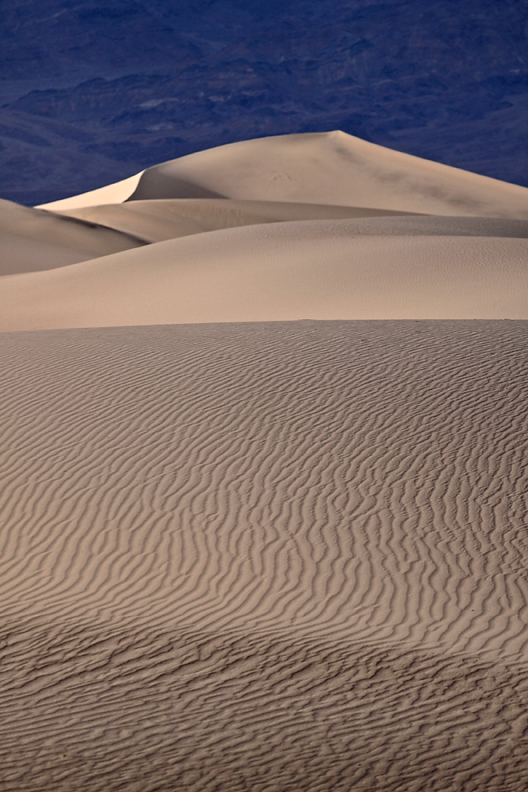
94 90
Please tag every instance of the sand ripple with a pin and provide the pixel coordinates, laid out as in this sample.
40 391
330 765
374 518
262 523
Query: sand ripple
265 556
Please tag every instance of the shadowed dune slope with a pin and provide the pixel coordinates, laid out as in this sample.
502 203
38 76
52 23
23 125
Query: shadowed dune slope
332 168
283 556
321 269
33 239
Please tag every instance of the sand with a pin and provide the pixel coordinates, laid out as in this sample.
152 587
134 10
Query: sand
33 239
321 168
263 515
160 219
321 269
112 193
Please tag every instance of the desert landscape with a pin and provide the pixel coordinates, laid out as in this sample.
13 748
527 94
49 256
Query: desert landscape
264 514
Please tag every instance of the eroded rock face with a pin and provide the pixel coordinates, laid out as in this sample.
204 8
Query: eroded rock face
97 91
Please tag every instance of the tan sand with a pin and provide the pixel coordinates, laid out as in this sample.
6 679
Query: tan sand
321 168
333 168
266 557
158 219
32 239
320 269
110 193
242 552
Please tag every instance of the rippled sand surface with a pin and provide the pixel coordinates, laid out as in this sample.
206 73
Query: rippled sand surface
263 512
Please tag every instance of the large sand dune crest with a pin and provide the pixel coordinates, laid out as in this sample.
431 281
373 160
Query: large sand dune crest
321 168
333 168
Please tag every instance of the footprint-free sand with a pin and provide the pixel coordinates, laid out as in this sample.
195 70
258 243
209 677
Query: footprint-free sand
264 476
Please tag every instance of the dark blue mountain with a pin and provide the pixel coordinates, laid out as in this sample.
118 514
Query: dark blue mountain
95 90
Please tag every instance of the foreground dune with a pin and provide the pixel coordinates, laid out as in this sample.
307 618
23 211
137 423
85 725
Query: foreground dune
248 540
265 556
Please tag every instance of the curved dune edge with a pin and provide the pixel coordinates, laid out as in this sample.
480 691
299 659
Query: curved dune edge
278 272
332 168
268 180
285 556
110 193
321 168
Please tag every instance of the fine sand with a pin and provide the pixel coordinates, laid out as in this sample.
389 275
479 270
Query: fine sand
160 219
321 269
34 239
264 475
284 556
321 168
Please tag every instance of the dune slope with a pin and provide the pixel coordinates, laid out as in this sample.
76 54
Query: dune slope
322 269
263 476
321 168
34 239
160 219
265 556
333 168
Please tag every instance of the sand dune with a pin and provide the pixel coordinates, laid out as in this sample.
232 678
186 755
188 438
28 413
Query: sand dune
158 220
333 168
320 269
32 239
263 467
321 168
265 556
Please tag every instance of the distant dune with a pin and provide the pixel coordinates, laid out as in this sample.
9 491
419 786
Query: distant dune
264 471
322 168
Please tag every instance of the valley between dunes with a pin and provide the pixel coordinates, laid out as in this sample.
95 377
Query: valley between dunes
264 464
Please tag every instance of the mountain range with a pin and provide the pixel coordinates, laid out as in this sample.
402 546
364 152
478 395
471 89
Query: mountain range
94 91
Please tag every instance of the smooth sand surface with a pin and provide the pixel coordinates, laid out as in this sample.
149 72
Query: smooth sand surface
284 556
160 220
33 239
333 168
320 269
263 479
157 220
110 193
321 168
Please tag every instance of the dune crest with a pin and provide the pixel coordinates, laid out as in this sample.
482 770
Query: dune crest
333 168
110 193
